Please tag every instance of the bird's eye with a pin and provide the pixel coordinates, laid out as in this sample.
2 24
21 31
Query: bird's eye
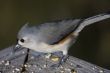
22 40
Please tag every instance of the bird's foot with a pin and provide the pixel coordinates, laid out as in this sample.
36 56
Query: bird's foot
60 60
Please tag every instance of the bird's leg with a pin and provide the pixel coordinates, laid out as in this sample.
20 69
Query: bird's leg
64 58
61 60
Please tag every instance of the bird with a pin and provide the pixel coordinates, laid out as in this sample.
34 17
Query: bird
55 36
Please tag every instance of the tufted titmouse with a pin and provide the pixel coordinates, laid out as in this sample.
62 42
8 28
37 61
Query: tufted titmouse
55 36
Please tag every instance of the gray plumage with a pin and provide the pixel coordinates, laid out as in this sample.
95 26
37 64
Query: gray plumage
52 32
45 37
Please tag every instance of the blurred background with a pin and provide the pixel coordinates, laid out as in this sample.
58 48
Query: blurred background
93 43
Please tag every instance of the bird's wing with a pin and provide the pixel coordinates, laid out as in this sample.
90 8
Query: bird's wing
52 33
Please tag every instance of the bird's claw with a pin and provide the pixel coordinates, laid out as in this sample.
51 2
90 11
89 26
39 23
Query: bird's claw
61 60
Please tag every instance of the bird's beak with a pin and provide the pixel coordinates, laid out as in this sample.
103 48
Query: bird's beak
17 46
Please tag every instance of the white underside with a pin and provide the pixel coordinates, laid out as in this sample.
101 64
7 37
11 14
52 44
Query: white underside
50 48
46 48
43 47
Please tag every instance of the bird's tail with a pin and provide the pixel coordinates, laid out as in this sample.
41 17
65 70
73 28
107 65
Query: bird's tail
91 20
